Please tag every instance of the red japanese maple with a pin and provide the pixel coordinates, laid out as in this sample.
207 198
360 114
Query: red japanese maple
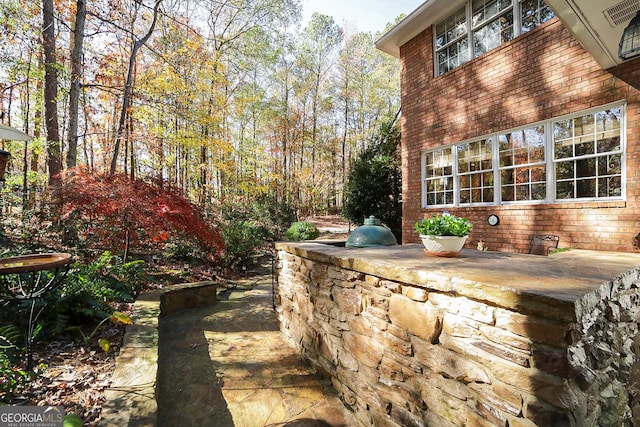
114 210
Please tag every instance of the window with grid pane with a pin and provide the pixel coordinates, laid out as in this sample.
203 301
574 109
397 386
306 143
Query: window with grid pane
523 169
438 174
533 13
588 155
573 158
492 24
451 41
475 171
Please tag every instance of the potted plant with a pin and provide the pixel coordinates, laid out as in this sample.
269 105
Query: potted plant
443 235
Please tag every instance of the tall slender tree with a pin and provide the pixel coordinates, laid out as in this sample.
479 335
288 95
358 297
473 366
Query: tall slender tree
76 77
128 85
323 37
54 151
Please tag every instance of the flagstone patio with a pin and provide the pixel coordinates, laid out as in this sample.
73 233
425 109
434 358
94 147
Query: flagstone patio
222 364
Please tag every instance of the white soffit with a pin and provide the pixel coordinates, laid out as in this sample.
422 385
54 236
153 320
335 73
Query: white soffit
597 24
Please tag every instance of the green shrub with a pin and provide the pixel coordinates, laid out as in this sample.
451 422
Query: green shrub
183 251
248 225
87 295
302 230
374 186
271 214
242 241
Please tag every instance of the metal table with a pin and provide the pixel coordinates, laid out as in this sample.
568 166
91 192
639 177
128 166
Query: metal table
23 279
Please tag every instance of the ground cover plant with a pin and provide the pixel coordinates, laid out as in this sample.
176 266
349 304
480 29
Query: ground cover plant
81 319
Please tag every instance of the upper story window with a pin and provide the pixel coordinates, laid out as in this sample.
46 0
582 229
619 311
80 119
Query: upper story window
533 13
452 44
482 25
573 158
492 24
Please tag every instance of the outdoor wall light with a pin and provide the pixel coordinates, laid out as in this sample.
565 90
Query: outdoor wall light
630 42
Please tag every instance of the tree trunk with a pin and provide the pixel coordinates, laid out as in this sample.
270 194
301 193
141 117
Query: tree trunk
50 94
74 90
37 126
128 86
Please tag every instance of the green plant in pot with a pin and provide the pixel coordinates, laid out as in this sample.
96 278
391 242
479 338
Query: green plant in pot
443 235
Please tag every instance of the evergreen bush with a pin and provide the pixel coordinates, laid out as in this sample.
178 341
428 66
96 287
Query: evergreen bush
247 226
302 230
374 186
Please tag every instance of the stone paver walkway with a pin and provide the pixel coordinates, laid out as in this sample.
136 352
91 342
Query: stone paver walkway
228 365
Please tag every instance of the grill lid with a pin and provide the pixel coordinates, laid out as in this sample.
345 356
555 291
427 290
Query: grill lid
371 234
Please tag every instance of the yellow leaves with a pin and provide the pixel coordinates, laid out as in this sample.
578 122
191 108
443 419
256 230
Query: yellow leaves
120 318
104 344
252 188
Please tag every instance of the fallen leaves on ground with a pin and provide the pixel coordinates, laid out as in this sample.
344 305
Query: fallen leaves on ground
76 375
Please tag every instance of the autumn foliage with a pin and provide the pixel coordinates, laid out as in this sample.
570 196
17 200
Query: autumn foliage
113 211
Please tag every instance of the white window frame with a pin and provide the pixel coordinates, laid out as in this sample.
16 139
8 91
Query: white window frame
623 152
516 11
426 178
480 172
550 163
466 36
545 162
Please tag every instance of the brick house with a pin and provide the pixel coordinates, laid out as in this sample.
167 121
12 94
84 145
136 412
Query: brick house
527 113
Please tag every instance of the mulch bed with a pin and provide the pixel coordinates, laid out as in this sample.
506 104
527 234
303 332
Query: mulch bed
75 377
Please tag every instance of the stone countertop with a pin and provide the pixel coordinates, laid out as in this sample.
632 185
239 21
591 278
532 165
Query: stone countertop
531 284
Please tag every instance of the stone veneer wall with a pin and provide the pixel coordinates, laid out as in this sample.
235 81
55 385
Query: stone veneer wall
605 354
405 355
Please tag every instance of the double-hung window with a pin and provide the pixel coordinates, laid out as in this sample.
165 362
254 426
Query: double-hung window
438 188
588 155
492 24
523 169
578 157
452 42
482 25
475 171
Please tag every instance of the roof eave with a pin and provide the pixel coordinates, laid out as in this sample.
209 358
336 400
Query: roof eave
415 23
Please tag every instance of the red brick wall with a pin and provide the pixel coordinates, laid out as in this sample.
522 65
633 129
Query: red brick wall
540 75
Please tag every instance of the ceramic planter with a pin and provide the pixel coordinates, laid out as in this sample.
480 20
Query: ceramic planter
443 246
